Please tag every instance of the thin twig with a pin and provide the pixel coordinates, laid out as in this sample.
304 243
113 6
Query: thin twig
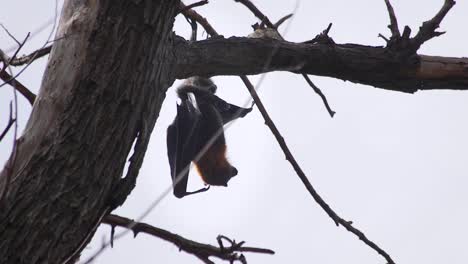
9 34
43 46
281 20
280 139
256 12
6 64
332 214
12 161
383 37
197 17
193 5
319 92
11 120
268 23
202 251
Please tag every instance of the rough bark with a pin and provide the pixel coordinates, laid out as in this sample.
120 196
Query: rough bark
375 66
102 90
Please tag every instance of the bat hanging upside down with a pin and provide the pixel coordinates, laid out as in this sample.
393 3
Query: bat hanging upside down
201 116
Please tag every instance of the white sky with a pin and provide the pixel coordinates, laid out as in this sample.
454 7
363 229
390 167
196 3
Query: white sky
395 164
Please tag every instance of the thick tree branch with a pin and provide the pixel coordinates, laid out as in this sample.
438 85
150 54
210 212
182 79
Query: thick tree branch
202 251
350 62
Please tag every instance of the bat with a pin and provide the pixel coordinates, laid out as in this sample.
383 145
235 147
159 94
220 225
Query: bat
200 116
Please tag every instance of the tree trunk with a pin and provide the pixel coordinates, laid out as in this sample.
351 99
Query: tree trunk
103 88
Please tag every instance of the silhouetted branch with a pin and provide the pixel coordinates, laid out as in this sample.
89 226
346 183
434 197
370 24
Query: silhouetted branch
405 46
202 251
7 78
199 3
31 57
11 121
427 30
280 139
393 20
282 20
265 20
197 17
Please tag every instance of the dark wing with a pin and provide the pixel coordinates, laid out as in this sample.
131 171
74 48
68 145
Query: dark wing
181 145
229 111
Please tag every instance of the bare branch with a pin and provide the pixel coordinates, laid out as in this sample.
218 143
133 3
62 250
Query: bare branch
7 63
280 139
200 250
257 12
393 20
332 214
11 120
427 30
9 34
197 17
319 92
404 46
267 21
282 20
193 5
31 57
7 78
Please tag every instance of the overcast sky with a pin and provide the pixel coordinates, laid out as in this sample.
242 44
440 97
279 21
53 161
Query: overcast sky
395 164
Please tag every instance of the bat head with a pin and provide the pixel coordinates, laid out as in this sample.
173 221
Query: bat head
202 83
214 168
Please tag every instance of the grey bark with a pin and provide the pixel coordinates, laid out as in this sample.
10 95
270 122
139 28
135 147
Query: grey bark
102 90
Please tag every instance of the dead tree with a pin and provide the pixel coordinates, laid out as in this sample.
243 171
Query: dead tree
106 79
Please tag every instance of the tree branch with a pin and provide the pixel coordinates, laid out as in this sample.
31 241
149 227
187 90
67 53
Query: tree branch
267 21
427 30
403 45
196 4
202 251
257 12
10 123
197 17
279 138
31 57
393 20
356 63
7 78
